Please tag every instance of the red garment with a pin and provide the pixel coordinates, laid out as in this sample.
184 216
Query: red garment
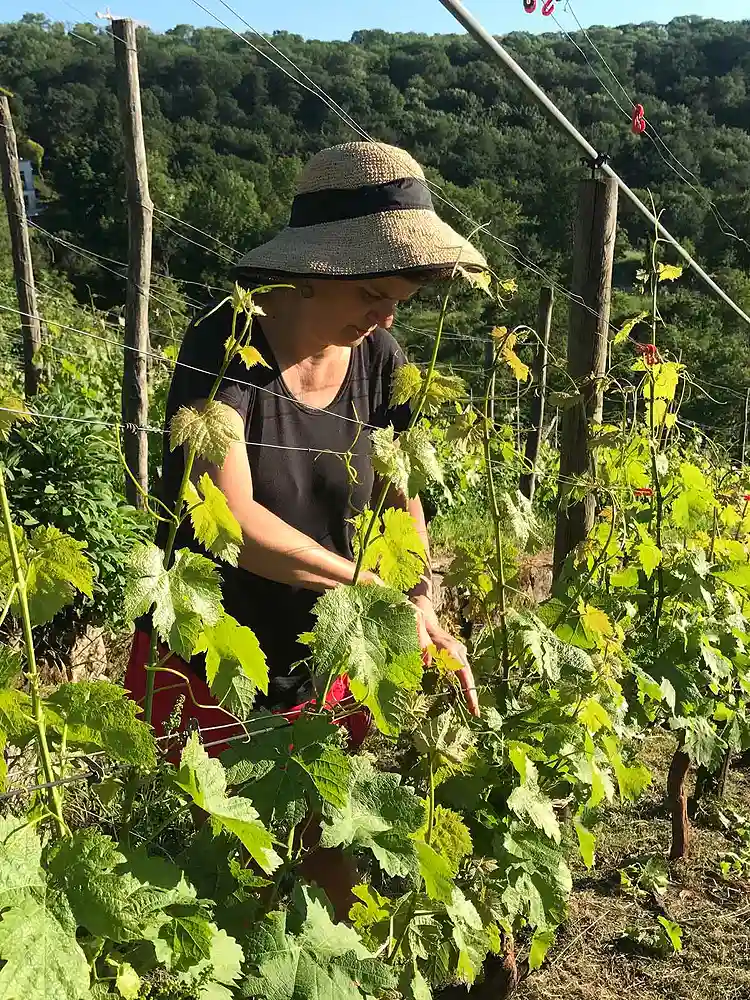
201 705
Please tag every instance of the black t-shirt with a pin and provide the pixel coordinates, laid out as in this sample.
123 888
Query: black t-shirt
293 476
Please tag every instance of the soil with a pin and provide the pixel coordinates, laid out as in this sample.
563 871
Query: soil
590 959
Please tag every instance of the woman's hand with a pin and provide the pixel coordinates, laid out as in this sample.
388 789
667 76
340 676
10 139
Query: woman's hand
432 633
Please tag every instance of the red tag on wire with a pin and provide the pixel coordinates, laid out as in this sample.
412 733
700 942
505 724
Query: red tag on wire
548 7
529 6
639 119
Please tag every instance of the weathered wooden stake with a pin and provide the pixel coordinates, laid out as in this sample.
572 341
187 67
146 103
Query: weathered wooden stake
23 269
744 426
140 224
538 400
587 354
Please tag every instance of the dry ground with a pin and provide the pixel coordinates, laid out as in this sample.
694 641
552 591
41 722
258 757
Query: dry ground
589 961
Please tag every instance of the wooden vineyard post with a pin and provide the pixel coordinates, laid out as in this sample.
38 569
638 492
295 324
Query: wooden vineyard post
23 269
587 355
538 400
140 225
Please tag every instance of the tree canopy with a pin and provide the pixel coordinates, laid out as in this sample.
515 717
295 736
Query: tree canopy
227 133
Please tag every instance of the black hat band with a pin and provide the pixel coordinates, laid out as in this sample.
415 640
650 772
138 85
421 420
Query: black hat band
337 204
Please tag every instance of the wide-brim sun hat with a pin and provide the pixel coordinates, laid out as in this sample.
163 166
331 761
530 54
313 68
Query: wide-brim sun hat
362 209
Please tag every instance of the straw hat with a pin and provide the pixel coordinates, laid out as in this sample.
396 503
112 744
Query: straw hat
362 209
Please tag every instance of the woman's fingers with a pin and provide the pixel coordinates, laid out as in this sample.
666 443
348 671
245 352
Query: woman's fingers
466 679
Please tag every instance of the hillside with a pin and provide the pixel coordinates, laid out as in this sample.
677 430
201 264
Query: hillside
227 131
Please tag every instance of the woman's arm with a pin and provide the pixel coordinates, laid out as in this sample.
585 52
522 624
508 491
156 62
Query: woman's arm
272 548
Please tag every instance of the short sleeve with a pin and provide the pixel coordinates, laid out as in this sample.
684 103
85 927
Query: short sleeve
388 358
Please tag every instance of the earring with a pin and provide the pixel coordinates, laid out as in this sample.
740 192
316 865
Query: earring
306 291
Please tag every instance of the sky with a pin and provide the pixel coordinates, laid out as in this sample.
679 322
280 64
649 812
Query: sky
339 18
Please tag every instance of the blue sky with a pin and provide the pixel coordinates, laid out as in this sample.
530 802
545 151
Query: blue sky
339 18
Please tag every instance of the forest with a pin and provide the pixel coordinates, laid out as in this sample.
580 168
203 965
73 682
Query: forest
587 834
227 133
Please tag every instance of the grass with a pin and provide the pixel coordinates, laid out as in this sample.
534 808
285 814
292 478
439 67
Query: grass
589 961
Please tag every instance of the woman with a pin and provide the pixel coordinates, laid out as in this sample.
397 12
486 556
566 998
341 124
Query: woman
363 236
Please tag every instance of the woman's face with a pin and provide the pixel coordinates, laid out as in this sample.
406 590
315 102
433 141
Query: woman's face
344 312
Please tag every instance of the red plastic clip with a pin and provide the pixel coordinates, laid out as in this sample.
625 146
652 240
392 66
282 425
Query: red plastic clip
548 7
639 119
529 6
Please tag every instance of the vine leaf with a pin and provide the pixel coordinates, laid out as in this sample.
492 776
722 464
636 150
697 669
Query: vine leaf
292 769
251 356
109 895
314 959
380 815
528 802
540 945
388 459
128 982
233 658
370 633
98 714
395 549
507 342
450 837
627 328
669 272
211 431
204 780
408 462
185 598
436 872
424 467
42 960
20 859
13 410
442 389
214 524
55 568
586 842
406 385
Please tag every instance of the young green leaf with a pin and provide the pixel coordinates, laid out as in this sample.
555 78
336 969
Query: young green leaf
672 931
380 815
55 569
214 524
204 780
13 410
41 960
627 328
421 457
99 715
233 654
370 633
586 842
292 769
128 982
211 431
540 945
406 385
442 389
395 550
528 802
388 459
670 272
251 356
20 861
436 872
185 598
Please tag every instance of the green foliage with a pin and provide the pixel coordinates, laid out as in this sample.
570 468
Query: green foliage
214 524
395 549
370 633
204 780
